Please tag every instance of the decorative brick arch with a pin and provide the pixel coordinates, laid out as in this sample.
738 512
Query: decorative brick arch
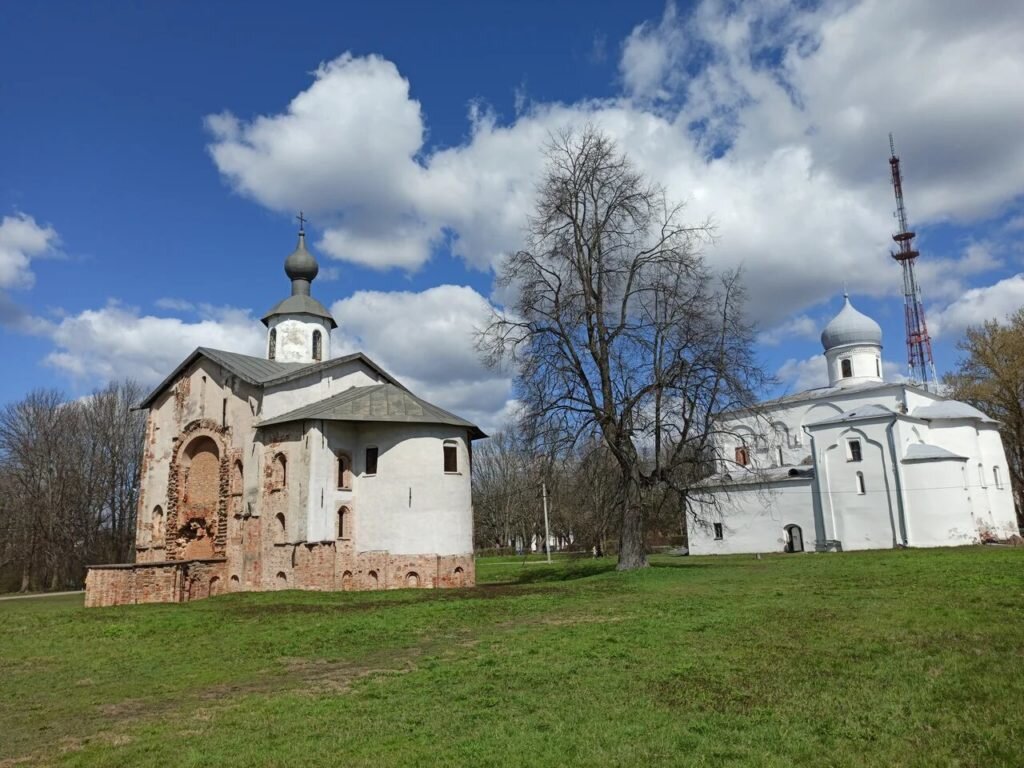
194 433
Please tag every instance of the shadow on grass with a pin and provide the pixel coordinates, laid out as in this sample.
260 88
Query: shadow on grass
534 573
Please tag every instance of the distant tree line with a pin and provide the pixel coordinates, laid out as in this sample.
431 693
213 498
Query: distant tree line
584 498
69 484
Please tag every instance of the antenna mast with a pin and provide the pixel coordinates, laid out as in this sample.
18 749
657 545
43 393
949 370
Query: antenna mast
920 365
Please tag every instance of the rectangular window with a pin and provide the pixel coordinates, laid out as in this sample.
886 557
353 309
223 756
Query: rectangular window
718 531
451 457
847 369
371 461
854 446
742 458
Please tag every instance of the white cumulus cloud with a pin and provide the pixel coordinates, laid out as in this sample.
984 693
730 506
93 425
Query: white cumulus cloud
21 241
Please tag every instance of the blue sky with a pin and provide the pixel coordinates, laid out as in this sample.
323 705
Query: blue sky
152 156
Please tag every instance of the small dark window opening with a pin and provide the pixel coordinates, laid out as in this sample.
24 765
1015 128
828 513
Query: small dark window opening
272 347
847 369
718 531
878 367
855 454
451 457
344 471
860 483
317 345
742 457
371 461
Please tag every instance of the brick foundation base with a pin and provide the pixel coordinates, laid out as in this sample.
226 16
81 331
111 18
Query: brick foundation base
322 566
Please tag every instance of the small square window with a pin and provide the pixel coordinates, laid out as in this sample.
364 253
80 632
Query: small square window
855 452
371 461
718 531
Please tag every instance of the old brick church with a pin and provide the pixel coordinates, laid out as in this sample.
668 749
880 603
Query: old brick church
294 471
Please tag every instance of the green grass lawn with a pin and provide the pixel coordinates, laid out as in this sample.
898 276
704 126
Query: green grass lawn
907 658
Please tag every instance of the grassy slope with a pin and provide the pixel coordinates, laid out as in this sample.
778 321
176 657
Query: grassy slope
888 658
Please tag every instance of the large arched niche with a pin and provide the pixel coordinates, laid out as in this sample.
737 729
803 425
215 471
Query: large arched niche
200 480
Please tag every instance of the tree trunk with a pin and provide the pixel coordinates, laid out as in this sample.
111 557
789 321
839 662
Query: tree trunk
632 544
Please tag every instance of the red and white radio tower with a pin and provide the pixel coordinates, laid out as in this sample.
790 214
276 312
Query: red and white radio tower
920 365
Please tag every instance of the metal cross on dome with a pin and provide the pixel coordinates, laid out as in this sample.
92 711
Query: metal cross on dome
302 223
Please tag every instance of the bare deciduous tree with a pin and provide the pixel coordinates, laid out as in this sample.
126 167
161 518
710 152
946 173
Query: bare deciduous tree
68 484
619 330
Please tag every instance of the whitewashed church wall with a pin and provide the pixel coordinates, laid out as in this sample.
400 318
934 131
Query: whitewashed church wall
867 520
937 506
411 505
754 518
317 386
1000 499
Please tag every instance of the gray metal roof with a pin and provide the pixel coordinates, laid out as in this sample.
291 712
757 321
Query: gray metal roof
300 304
375 403
926 452
950 409
766 476
865 412
259 371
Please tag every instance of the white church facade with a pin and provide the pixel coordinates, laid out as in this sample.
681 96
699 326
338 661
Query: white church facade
294 470
859 464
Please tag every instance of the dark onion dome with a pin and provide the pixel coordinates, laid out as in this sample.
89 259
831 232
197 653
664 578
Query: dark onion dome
850 327
301 264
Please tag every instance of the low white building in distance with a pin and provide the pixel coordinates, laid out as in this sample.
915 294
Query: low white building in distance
859 464
294 470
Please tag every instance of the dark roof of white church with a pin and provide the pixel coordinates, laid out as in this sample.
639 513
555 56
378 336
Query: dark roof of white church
378 403
259 371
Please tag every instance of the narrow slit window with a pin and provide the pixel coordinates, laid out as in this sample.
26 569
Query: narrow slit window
272 344
860 483
451 457
344 471
997 478
371 460
878 367
981 475
318 343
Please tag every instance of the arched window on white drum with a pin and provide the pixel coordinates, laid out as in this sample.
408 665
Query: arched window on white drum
847 367
997 478
451 457
272 344
860 483
318 344
878 367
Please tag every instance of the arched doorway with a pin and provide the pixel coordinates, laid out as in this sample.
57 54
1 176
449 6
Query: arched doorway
794 538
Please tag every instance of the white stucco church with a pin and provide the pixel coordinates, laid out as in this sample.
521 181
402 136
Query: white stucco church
859 464
294 470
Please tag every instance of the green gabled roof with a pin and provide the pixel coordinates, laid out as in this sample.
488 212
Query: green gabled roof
378 402
259 371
